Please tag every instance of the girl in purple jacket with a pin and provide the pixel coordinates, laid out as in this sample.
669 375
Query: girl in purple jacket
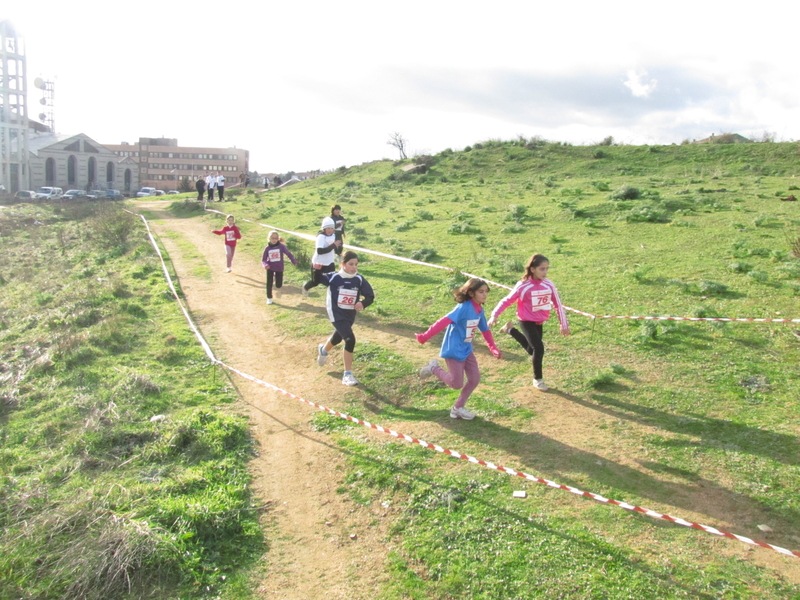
272 261
535 296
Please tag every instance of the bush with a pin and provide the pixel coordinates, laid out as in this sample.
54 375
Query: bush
759 276
112 226
462 228
625 193
740 267
712 287
517 213
424 215
298 248
424 254
646 214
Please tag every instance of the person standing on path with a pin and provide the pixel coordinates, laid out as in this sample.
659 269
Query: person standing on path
231 233
322 260
211 183
200 186
348 294
535 296
272 261
221 187
460 325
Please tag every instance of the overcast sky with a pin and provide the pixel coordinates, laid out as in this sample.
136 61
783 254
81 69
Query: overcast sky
314 84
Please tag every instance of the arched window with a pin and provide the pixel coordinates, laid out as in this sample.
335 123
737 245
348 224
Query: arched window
127 180
72 170
50 171
92 171
110 174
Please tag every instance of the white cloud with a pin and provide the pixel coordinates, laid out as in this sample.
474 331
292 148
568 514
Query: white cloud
637 86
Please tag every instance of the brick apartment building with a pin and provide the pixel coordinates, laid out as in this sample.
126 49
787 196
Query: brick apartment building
163 164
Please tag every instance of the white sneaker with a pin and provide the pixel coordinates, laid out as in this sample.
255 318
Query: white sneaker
507 327
461 413
322 356
269 300
427 370
304 291
539 384
349 378
228 270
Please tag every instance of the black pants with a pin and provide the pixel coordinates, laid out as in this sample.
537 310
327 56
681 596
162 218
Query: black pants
277 276
221 192
316 276
530 338
343 331
199 195
210 195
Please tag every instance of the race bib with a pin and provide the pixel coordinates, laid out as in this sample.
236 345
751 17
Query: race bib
274 255
472 325
230 236
541 300
347 299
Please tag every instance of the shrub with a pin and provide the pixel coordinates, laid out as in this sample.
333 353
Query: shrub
624 193
759 276
712 287
298 248
404 226
600 186
424 254
740 267
462 228
112 226
646 214
599 154
424 215
517 213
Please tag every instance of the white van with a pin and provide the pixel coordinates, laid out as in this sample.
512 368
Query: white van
49 193
146 191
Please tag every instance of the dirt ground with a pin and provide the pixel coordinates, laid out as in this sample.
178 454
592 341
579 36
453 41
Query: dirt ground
321 545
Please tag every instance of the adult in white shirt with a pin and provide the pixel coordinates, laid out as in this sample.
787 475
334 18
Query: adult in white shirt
221 187
211 183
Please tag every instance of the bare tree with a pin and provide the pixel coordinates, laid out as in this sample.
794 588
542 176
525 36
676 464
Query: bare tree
397 140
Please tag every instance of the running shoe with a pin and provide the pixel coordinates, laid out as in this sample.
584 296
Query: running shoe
349 378
539 384
322 356
427 370
461 413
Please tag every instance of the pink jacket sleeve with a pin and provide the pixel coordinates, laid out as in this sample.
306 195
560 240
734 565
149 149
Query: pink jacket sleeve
440 325
512 297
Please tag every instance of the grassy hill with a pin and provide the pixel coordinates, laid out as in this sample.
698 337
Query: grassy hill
698 419
702 415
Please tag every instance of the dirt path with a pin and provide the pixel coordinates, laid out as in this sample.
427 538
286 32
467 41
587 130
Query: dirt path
321 545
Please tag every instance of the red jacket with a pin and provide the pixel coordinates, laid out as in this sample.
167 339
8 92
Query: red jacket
231 234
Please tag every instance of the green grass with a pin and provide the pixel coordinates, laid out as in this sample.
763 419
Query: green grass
97 500
702 412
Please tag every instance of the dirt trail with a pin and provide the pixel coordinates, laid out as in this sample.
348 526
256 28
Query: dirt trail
321 545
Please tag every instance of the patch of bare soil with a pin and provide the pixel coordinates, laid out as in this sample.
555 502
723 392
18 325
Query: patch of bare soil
321 545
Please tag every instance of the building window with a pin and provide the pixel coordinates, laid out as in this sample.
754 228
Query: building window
92 170
72 170
127 180
110 172
50 171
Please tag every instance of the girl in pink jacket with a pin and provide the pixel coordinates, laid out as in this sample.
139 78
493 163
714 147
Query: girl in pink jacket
535 296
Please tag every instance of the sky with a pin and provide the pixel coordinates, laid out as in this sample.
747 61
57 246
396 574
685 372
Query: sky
311 84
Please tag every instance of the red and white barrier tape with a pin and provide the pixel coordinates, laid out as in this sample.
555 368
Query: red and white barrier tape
500 285
453 453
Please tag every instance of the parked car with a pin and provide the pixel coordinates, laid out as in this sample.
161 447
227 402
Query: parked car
158 193
25 195
173 192
73 195
49 193
113 195
146 191
95 194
